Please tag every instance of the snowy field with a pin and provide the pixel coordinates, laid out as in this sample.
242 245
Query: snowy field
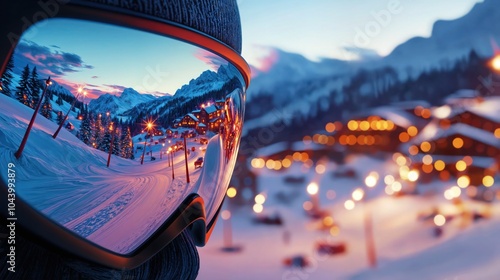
405 244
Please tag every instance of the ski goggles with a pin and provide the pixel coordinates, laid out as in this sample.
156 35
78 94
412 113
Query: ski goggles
117 133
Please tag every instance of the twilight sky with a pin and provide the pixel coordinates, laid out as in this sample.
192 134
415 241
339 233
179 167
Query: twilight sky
324 28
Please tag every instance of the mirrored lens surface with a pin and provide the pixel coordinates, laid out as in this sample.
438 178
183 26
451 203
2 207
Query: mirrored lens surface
129 125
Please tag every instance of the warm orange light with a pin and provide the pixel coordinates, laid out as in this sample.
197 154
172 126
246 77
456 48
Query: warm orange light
425 146
270 164
495 63
231 192
404 137
413 150
330 127
497 133
412 131
458 143
307 139
427 168
352 125
426 113
258 208
461 165
286 163
488 181
364 125
371 179
439 165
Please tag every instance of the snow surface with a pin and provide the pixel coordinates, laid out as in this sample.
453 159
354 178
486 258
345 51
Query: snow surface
117 207
405 245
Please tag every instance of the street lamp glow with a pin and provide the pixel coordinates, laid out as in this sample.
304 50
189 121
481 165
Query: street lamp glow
312 188
349 204
258 208
439 220
358 194
495 63
260 199
371 179
413 175
231 192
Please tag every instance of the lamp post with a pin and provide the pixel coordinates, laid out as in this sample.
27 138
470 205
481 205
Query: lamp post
172 159
370 181
80 90
185 158
149 125
19 151
111 145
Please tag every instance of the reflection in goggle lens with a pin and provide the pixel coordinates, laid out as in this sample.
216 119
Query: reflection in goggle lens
131 124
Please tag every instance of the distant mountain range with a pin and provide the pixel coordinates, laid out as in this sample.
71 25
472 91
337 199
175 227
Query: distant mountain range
294 85
128 99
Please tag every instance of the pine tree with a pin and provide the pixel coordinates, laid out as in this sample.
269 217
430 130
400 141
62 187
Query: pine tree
34 87
117 142
7 77
22 91
106 141
85 132
127 146
46 110
97 131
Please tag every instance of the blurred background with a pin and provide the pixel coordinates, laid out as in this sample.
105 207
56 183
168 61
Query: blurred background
371 143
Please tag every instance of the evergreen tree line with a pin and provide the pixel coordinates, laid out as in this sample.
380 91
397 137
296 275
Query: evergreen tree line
29 90
98 131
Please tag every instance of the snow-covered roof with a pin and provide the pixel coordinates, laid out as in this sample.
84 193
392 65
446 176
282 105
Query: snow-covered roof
210 109
461 95
433 132
196 111
193 117
489 108
201 125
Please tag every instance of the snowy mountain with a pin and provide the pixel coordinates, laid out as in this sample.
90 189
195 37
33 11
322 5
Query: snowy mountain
119 104
294 86
206 82
452 39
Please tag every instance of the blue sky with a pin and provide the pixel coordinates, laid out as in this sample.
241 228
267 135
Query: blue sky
107 59
324 28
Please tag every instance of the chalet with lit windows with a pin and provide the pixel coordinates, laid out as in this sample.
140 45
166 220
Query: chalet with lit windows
379 129
460 149
177 122
189 120
201 128
220 103
212 112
